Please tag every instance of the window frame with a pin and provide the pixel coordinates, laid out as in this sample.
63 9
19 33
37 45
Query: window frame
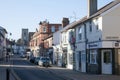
80 33
90 26
44 29
93 56
53 29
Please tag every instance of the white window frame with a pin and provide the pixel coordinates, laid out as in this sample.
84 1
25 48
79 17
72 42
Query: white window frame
93 56
44 29
96 24
90 26
80 33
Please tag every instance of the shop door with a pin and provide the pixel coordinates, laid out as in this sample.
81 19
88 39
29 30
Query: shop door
83 62
106 61
80 60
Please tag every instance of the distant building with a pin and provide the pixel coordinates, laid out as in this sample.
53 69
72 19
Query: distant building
30 35
3 34
25 37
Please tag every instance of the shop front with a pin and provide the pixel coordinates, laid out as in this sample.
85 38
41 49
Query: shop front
103 59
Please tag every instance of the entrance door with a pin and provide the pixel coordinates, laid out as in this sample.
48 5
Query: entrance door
80 60
106 62
83 62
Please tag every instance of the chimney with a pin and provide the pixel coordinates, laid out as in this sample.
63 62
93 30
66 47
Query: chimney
92 7
65 22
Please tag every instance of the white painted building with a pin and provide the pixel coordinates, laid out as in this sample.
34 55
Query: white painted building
98 41
57 54
68 45
80 51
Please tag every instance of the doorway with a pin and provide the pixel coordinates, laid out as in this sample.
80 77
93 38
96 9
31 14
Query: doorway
106 61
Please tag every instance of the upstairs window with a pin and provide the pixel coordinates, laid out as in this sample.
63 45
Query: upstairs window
60 27
97 27
90 26
80 33
53 29
44 29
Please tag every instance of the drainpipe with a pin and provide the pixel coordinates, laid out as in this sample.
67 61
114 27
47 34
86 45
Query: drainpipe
86 40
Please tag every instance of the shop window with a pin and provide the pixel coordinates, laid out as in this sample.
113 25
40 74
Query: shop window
107 57
93 57
71 58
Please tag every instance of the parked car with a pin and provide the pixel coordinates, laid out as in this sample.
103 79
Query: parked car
32 59
36 60
22 54
29 54
44 61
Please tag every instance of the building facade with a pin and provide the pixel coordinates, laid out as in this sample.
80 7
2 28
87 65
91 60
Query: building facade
97 41
45 29
48 48
3 46
57 54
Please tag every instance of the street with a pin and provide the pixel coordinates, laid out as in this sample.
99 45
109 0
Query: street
29 71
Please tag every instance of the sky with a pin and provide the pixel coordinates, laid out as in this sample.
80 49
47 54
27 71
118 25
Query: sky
18 14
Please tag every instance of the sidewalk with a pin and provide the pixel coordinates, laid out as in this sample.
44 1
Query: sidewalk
3 66
74 75
2 73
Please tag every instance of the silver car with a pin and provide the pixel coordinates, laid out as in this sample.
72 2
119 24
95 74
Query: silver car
44 61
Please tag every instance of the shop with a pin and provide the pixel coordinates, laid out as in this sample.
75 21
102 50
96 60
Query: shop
103 60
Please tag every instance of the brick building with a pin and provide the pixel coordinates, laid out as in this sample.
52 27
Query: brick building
45 29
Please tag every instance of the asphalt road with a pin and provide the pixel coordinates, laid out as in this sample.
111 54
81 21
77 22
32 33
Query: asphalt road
28 71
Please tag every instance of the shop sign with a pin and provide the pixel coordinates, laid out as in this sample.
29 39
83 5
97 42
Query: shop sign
116 44
92 45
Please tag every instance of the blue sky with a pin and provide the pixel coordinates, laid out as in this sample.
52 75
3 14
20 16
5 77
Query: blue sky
18 14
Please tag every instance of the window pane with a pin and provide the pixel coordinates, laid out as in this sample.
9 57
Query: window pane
44 29
52 29
93 56
90 25
107 57
80 33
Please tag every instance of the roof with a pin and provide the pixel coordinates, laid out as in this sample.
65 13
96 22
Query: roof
68 26
1 28
50 36
105 8
80 21
100 11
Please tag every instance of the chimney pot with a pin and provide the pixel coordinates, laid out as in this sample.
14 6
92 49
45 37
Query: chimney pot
65 22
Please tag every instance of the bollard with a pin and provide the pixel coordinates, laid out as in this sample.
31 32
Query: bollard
7 74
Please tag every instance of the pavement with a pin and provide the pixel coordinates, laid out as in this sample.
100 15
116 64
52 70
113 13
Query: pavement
67 74
4 65
76 75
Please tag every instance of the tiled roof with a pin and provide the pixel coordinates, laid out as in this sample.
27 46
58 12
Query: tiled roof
105 8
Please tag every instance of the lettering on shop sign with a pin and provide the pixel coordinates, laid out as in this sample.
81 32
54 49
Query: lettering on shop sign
92 45
112 37
116 44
